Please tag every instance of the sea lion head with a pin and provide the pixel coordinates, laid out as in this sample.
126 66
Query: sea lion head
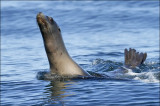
47 25
50 32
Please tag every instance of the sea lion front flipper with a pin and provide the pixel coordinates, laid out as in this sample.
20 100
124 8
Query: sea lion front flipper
133 58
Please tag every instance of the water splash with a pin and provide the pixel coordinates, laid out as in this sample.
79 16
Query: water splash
148 72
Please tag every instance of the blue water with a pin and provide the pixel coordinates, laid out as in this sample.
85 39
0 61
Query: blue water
95 35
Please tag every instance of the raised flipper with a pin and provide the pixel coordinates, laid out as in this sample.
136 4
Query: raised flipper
133 58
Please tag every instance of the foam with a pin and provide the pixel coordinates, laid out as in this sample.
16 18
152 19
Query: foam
148 77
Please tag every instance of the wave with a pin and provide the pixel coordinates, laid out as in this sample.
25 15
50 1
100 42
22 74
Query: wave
148 72
110 70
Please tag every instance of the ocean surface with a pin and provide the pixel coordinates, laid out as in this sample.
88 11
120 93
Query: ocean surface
95 34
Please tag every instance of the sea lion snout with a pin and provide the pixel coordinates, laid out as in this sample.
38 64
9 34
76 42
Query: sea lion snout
41 18
40 14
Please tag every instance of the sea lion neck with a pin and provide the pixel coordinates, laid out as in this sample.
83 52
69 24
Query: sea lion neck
51 34
52 39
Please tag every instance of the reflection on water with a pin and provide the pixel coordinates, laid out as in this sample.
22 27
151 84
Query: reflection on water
56 91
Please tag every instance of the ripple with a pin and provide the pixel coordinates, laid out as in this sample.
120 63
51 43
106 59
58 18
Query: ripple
95 34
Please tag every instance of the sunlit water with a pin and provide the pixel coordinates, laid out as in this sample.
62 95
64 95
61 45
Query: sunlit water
95 34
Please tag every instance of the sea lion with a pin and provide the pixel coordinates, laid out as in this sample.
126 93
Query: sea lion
59 60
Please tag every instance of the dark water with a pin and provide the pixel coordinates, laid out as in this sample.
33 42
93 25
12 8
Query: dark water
95 34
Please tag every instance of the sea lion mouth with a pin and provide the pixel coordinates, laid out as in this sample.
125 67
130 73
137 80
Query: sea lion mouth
41 19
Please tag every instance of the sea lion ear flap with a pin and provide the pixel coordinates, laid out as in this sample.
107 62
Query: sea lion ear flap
59 29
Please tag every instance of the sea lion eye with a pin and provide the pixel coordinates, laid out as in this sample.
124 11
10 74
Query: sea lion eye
51 19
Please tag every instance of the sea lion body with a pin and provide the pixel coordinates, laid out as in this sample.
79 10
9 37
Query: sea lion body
59 60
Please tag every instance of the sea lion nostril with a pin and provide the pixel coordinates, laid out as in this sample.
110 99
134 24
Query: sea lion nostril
40 13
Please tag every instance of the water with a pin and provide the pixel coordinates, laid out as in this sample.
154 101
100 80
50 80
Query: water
95 34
